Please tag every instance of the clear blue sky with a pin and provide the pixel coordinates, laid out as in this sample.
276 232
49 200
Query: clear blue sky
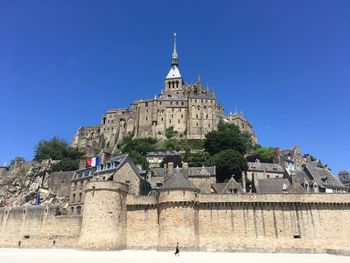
285 64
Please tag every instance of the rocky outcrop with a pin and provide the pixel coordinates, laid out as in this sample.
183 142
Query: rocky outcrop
25 181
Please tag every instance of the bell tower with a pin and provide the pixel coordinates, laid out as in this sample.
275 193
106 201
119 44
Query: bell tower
174 84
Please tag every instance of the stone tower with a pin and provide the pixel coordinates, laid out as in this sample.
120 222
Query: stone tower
104 216
177 212
174 83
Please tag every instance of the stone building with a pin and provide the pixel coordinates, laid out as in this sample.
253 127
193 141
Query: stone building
226 220
202 177
190 109
120 169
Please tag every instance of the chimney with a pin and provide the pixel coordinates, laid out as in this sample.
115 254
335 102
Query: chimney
185 169
277 156
244 181
170 171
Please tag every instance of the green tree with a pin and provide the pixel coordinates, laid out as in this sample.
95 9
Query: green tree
58 149
228 162
228 136
170 133
198 159
264 154
137 149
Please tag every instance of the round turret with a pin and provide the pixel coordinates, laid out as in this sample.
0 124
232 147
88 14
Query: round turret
104 215
177 214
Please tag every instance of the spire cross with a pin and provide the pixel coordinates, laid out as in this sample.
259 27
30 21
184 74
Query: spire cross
174 57
174 52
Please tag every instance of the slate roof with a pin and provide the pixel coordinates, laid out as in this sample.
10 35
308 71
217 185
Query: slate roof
178 182
166 153
271 186
204 171
268 167
323 177
113 165
224 188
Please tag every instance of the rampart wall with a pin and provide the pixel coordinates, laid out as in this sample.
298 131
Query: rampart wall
266 223
38 227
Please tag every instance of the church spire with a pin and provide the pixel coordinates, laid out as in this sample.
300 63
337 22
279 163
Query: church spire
174 61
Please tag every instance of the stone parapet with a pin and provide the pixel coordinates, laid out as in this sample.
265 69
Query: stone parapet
316 198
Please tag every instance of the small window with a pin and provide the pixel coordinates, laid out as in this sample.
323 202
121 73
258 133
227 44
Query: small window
177 103
296 236
182 115
146 104
78 210
182 103
178 121
127 182
197 124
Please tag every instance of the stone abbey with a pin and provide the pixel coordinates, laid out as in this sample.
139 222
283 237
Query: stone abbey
113 205
191 110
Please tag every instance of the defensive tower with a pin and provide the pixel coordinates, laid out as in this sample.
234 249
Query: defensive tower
177 212
104 215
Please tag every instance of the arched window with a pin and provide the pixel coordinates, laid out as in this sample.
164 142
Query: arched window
177 84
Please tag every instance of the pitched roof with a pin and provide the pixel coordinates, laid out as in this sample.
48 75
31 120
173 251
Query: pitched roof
268 167
271 186
224 188
178 182
324 177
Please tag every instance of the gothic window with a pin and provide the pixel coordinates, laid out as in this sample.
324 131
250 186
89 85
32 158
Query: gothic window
197 116
209 125
73 199
182 115
146 104
171 103
146 118
182 103
178 121
80 195
177 84
197 124
169 121
177 103
160 103
162 119
206 116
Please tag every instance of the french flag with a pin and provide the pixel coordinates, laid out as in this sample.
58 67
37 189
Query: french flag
93 161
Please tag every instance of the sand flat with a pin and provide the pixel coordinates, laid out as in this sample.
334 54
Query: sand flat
15 255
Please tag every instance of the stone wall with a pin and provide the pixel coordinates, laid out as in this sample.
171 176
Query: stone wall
142 222
37 227
249 222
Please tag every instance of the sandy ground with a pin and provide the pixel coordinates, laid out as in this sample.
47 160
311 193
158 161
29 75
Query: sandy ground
15 255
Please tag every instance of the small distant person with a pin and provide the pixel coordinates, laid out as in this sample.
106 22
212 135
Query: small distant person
177 251
19 243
